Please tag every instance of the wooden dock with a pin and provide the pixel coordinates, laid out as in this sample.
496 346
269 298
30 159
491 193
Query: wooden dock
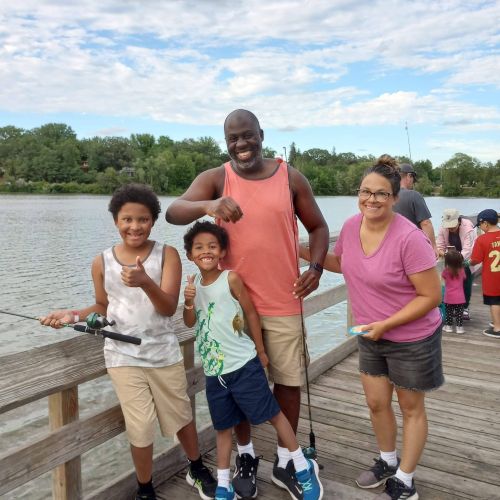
462 456
461 459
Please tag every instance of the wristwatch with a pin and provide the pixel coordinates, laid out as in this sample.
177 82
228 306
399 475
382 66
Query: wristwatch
316 266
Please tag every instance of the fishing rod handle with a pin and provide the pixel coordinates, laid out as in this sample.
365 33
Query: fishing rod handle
112 335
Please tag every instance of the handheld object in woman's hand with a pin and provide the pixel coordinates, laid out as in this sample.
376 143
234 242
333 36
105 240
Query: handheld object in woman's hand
357 330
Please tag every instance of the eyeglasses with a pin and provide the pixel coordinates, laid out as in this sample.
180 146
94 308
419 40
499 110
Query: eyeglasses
380 196
412 174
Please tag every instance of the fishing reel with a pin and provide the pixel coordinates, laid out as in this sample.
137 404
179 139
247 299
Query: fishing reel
97 321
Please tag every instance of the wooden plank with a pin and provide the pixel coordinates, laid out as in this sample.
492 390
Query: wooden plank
66 478
165 465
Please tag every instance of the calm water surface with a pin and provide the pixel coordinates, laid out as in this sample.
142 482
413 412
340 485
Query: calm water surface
47 244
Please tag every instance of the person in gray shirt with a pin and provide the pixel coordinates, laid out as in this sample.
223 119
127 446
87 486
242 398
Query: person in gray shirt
411 204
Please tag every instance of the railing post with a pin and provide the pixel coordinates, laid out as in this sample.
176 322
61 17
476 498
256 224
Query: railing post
188 353
348 314
67 478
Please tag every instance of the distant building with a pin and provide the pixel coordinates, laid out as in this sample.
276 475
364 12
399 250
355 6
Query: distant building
128 171
85 166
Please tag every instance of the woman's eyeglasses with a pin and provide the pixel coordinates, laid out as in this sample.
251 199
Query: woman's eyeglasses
365 194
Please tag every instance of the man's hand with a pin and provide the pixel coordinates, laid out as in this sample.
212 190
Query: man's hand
306 283
224 208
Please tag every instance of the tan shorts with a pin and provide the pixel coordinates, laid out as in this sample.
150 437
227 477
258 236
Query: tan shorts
146 394
282 337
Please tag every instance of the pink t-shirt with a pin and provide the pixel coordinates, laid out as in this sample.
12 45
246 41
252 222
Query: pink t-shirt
378 284
454 287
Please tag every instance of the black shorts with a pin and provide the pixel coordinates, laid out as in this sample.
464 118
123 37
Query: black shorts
491 300
241 395
415 366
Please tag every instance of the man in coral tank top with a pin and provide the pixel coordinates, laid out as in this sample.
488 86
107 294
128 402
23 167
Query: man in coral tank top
255 199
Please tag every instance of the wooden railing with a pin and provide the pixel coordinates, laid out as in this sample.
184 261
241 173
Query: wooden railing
55 372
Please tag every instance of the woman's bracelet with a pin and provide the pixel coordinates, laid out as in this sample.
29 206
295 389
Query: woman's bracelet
188 307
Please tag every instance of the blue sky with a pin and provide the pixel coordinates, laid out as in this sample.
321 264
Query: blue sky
330 74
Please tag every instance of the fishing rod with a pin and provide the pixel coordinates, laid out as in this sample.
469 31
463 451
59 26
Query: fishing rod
95 324
310 451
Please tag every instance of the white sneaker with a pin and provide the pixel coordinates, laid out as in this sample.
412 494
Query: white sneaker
447 328
460 329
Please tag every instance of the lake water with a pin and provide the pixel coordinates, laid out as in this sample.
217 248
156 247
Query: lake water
46 246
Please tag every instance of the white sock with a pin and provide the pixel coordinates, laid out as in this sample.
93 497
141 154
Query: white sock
223 478
247 448
390 457
406 477
299 460
284 456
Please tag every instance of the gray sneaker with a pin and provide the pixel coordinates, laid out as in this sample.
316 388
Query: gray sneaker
377 475
285 478
397 490
245 476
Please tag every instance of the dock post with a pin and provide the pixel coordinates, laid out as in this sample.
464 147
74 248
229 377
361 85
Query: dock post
66 478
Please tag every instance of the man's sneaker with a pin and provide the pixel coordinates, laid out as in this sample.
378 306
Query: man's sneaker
489 332
202 479
377 475
447 328
284 477
466 314
145 496
222 493
245 476
460 329
397 490
312 489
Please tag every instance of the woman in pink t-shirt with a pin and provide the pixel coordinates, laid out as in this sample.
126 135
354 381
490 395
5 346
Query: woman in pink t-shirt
394 290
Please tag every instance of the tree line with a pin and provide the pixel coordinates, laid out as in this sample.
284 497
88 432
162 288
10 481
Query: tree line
51 159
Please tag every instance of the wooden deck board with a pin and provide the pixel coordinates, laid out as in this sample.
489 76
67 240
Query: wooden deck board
462 456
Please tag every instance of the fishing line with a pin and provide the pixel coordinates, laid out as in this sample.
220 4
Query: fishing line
310 451
94 325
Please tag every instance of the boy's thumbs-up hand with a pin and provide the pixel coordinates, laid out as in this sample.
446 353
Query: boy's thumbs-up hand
190 290
134 276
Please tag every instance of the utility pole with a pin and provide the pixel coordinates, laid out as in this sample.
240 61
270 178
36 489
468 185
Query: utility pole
408 136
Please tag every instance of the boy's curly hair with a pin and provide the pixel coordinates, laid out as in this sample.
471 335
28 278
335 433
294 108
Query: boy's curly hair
135 193
206 227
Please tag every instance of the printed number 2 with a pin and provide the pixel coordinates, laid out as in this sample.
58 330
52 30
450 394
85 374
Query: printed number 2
495 264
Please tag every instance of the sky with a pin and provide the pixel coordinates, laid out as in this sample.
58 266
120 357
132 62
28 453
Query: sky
415 78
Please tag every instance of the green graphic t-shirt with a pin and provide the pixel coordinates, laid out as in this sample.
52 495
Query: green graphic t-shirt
223 345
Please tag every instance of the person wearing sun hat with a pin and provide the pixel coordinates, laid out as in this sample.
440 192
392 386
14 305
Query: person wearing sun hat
458 232
487 251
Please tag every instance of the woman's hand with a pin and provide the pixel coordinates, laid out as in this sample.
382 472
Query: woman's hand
374 331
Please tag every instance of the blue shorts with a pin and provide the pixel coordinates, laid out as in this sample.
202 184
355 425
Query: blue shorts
241 395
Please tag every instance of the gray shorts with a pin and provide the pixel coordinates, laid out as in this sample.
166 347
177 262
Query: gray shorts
416 366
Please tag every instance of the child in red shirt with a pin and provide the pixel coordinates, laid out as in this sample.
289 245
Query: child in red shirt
487 251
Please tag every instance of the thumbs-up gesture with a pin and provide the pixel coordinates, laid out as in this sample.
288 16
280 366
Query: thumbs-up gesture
189 291
134 276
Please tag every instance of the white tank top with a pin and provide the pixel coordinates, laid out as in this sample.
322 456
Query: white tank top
135 315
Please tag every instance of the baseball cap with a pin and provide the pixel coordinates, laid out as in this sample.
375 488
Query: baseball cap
406 168
488 215
450 218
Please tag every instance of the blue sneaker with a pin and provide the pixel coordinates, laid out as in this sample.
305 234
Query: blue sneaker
222 493
309 481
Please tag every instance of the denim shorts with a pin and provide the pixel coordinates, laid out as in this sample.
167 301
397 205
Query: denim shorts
415 366
241 395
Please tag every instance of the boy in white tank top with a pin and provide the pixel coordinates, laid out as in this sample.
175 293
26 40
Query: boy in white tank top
137 285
